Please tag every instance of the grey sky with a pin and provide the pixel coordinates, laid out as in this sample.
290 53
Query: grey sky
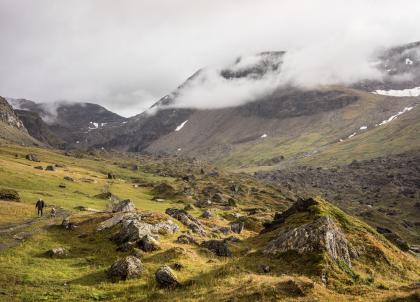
126 54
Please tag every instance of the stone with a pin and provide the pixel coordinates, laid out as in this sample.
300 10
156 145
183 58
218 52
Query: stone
62 186
186 219
133 229
218 247
68 178
126 268
57 252
123 206
111 175
9 195
237 227
265 268
186 239
32 157
50 168
164 190
148 244
39 167
320 235
165 277
207 214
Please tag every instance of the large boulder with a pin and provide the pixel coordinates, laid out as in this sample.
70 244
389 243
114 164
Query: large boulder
320 235
134 229
166 277
32 157
164 190
123 206
218 247
148 244
129 267
187 220
10 195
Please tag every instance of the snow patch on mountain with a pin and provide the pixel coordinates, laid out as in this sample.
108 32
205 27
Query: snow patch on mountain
181 126
406 109
399 93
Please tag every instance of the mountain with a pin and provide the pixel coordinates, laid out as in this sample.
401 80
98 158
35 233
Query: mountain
64 124
286 126
12 128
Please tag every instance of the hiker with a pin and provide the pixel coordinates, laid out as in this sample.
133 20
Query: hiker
40 204
53 212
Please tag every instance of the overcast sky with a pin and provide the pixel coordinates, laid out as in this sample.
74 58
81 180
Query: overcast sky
126 54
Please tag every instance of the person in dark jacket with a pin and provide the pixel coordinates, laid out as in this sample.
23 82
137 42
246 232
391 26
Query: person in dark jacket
40 204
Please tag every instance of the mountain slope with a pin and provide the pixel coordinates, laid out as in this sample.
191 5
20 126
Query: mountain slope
11 127
65 124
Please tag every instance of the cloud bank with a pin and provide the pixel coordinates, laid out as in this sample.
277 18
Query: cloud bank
126 54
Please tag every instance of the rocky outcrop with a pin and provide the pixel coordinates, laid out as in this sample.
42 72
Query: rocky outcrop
133 228
148 244
9 117
32 157
166 277
187 220
129 267
218 247
320 235
123 206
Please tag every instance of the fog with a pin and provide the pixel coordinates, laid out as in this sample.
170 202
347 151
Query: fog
127 54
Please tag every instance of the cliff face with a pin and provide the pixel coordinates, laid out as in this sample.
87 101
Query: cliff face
9 117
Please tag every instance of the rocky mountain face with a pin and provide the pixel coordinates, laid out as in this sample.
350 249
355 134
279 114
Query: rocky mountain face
12 128
65 124
8 116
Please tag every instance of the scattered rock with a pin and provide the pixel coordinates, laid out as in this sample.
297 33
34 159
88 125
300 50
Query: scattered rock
67 224
219 247
62 186
123 206
148 244
186 239
10 195
68 178
188 178
237 227
187 220
39 167
265 268
57 252
165 277
108 196
126 268
177 266
111 175
32 157
50 168
164 190
188 207
207 214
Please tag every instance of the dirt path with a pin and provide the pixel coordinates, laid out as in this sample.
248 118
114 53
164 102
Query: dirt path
12 235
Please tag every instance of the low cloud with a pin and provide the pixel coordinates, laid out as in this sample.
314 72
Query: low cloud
126 55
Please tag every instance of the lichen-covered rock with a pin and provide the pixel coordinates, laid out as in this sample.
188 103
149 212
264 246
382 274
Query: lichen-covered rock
148 244
123 206
186 239
166 277
320 235
134 229
129 267
32 157
219 247
237 227
187 219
